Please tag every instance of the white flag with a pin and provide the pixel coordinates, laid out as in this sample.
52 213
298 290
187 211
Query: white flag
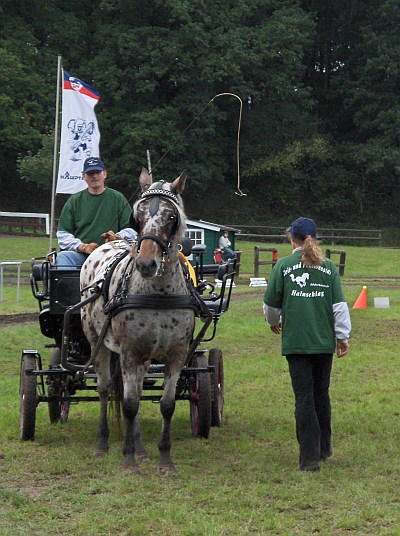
80 135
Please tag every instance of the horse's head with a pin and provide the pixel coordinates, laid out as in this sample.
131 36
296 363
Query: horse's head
160 221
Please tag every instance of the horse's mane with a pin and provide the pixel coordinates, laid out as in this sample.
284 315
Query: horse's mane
182 223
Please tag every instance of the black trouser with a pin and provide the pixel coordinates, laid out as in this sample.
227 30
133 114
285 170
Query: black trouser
310 376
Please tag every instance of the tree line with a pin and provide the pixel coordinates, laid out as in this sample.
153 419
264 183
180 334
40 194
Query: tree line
319 81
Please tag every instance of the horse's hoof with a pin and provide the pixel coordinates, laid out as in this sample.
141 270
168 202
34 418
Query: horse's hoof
99 453
142 456
130 467
130 464
166 469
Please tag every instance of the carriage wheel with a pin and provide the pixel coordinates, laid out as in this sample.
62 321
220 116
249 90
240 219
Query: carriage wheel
58 406
64 405
217 386
28 398
200 400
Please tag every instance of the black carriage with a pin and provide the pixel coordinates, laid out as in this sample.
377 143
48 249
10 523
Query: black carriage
70 377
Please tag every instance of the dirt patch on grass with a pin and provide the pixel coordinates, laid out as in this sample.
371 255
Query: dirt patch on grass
22 318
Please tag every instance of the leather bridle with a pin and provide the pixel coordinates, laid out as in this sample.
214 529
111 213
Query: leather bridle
155 194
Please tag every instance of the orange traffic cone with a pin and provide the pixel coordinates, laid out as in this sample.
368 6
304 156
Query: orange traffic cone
361 301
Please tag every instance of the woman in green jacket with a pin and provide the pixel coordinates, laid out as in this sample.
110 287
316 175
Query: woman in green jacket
304 301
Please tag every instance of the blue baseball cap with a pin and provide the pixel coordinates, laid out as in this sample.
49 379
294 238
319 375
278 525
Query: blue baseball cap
303 227
93 164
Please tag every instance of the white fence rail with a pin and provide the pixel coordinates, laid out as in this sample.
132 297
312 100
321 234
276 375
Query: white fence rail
12 219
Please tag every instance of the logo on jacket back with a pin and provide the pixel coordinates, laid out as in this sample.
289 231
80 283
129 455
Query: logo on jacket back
301 280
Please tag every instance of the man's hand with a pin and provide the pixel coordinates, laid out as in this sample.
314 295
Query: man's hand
109 236
87 249
342 348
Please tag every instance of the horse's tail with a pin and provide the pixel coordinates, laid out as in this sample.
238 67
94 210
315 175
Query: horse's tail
116 392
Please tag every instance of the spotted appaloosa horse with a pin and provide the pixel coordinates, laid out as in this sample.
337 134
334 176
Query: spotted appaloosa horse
140 328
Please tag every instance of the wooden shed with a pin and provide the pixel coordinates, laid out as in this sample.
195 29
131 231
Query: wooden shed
204 232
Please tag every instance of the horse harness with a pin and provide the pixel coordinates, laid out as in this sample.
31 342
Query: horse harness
122 299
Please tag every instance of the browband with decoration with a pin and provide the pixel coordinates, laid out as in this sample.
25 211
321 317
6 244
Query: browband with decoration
159 191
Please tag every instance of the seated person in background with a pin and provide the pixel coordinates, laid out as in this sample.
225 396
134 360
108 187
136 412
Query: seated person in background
224 245
87 216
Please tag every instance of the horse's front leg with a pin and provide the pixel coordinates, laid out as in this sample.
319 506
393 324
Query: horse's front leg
167 407
133 385
102 367
140 451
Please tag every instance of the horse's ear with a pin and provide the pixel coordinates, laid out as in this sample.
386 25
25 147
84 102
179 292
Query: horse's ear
178 185
145 180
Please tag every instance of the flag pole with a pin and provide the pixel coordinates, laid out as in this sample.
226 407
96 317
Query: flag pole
53 195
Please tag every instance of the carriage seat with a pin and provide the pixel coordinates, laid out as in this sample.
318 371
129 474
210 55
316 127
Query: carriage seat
216 307
210 269
219 303
39 279
65 289
59 287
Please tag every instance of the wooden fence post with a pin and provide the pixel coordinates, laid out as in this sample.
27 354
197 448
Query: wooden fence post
258 263
342 258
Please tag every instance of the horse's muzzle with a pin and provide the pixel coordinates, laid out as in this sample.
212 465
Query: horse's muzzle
147 267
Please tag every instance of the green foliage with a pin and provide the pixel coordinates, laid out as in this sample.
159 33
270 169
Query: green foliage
38 167
358 76
319 81
19 112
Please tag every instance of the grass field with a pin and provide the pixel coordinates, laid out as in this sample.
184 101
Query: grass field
243 479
